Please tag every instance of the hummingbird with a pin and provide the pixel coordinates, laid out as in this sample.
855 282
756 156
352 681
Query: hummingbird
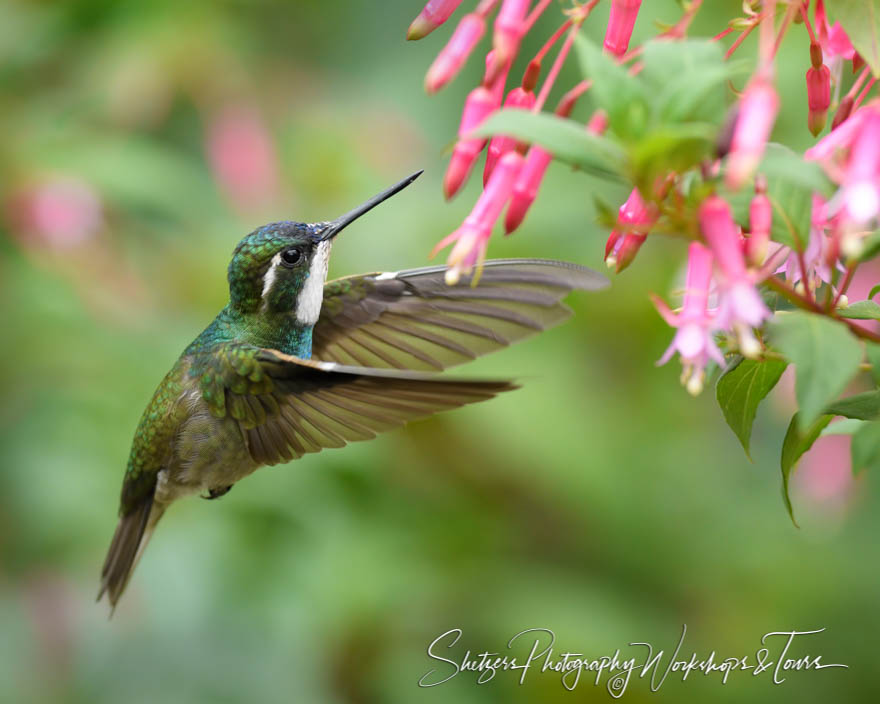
294 364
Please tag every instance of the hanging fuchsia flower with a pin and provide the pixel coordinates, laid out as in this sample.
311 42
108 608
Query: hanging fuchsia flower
834 40
635 219
740 305
471 239
621 21
695 323
760 222
479 105
435 13
500 145
757 113
450 60
509 30
850 155
818 91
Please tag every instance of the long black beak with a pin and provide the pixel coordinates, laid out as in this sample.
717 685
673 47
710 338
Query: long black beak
334 227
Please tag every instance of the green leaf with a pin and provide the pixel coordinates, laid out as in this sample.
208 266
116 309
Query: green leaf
874 291
849 426
670 148
872 350
864 406
866 447
566 139
798 439
615 90
870 247
861 310
741 388
791 184
861 21
686 79
825 354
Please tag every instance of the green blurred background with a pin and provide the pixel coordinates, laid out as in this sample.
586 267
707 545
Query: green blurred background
141 141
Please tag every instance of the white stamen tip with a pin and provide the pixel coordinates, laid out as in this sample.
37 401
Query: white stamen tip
452 277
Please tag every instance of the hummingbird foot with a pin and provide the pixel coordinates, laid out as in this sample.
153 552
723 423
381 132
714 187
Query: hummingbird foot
217 493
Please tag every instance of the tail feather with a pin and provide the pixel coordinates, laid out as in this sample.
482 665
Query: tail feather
132 534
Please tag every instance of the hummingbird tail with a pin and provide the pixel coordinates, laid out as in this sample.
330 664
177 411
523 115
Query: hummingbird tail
131 537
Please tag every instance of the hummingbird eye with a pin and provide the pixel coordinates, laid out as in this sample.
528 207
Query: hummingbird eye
291 257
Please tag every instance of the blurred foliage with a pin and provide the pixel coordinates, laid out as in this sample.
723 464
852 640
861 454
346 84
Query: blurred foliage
600 500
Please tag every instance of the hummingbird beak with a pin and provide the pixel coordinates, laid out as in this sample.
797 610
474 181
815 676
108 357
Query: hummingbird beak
334 227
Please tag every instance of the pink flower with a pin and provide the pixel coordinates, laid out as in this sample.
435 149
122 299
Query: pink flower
757 112
452 57
693 338
525 190
818 91
435 13
635 219
621 21
835 43
509 29
850 155
242 156
477 107
59 213
740 306
500 144
760 222
471 239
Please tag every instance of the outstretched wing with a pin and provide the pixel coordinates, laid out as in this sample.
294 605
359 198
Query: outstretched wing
288 406
413 320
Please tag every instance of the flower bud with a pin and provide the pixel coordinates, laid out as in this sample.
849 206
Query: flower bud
477 107
450 60
621 21
843 111
757 113
472 237
509 29
525 189
623 245
818 97
760 222
500 144
435 13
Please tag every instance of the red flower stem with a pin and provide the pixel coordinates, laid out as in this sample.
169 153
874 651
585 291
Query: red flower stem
783 28
680 28
542 52
864 93
808 293
847 280
807 24
766 38
857 84
723 34
741 38
800 301
566 103
557 66
534 15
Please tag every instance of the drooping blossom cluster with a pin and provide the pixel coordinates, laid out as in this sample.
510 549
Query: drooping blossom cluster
730 258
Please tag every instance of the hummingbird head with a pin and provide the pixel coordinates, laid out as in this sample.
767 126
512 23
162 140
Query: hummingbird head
282 267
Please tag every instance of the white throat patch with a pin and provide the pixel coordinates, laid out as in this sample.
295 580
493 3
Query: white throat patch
308 305
269 279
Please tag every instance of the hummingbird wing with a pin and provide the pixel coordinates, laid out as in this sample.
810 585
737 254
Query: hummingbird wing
413 320
287 407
